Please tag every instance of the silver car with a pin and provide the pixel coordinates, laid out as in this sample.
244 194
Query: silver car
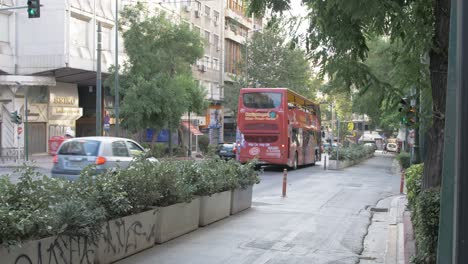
104 152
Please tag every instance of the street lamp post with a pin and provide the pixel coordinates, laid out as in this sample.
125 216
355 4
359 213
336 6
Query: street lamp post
116 81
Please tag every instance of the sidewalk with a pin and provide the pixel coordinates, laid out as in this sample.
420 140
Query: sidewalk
38 160
390 237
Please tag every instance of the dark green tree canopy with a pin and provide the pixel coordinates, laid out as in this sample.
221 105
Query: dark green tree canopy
157 83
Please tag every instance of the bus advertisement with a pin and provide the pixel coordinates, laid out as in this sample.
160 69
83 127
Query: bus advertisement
277 126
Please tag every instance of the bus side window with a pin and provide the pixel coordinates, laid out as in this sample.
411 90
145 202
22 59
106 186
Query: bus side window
295 136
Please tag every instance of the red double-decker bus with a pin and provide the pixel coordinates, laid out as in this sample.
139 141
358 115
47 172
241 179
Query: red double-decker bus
277 126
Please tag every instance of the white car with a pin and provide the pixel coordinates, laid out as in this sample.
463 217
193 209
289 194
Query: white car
392 147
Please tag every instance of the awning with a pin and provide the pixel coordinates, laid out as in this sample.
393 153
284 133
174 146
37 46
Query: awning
193 129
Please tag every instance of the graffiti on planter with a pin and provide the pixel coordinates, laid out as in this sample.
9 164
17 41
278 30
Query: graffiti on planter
62 249
121 236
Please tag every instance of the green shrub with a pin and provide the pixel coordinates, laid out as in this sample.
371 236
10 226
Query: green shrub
353 152
203 143
413 177
426 226
405 159
39 206
246 174
103 190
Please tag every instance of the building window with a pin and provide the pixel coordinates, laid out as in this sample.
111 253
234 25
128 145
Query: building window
79 32
206 62
216 41
207 37
198 5
106 39
216 17
215 64
4 28
207 11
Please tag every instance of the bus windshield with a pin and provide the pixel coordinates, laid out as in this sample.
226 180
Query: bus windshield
262 100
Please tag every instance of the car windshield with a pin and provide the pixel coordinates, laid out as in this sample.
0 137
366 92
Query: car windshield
80 148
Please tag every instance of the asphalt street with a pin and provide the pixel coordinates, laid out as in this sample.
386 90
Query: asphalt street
324 219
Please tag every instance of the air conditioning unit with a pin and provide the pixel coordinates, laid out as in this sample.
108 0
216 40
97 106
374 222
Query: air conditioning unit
197 13
187 8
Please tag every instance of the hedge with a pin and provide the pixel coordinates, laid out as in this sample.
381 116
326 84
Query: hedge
425 208
353 152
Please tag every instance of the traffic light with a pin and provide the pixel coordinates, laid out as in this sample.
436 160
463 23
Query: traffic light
13 116
19 119
34 8
408 113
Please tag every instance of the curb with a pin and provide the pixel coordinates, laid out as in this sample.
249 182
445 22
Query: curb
409 242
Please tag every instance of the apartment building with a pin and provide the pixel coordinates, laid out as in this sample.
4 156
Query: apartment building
206 17
238 28
54 57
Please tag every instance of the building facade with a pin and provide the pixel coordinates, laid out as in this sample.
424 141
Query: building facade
54 58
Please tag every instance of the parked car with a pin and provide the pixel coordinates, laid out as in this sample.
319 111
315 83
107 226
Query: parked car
226 151
105 152
373 145
392 147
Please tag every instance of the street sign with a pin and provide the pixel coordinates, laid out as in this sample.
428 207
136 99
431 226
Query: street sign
20 130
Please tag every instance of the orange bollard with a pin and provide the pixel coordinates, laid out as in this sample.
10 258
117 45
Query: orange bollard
285 180
402 182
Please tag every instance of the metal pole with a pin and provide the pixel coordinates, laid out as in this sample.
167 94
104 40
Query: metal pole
447 228
461 180
189 137
246 60
285 182
26 124
13 7
99 84
337 143
116 81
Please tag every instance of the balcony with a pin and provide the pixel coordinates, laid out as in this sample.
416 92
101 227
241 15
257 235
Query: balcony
246 22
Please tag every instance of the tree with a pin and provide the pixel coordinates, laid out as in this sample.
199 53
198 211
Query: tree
338 41
157 86
273 62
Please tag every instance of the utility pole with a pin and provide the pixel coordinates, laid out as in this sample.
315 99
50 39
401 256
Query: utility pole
189 137
116 81
26 124
416 151
99 83
461 156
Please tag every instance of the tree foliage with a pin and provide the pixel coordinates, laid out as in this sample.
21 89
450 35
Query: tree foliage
338 40
157 86
274 61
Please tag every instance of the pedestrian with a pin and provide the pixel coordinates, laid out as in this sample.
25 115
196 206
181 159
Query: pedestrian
69 133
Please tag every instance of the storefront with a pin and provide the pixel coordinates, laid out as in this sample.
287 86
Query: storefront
63 108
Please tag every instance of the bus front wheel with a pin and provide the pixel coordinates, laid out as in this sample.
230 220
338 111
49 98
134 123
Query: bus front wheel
294 166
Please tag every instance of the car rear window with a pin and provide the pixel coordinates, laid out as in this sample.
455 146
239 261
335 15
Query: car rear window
80 148
227 147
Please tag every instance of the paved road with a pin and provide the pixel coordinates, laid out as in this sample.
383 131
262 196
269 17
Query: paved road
324 219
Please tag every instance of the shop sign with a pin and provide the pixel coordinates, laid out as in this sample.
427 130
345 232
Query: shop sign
64 100
68 113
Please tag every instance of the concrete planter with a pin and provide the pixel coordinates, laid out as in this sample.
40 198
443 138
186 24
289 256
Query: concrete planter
176 220
214 207
338 165
56 249
126 236
241 199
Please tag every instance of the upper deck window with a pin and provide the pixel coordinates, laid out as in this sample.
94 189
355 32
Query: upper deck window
262 100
